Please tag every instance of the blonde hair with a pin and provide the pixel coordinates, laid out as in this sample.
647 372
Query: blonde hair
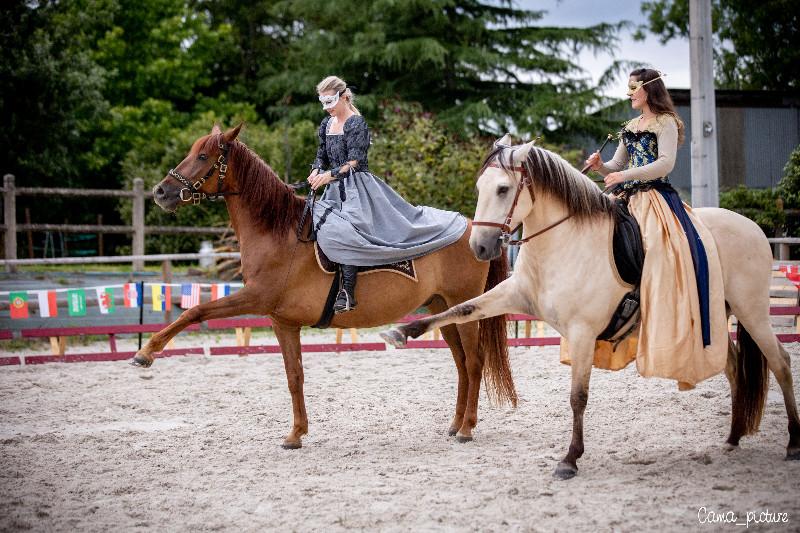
334 83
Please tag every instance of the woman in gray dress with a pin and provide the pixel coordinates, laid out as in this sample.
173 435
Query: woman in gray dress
360 220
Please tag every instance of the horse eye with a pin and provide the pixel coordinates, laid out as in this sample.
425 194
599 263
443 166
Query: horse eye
502 189
202 157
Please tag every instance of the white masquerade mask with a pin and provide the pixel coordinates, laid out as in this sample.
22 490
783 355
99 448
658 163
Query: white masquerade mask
636 85
329 101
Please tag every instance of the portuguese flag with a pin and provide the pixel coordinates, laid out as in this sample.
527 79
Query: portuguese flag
18 302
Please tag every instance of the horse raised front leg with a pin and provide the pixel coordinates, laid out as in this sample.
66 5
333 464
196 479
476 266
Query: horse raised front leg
581 353
289 339
242 302
504 298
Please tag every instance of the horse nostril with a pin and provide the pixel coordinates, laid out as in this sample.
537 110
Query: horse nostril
159 192
481 251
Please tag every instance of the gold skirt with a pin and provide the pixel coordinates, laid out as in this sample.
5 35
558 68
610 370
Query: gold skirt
669 342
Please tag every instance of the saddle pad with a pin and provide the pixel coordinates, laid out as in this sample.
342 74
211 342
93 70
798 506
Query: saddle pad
404 268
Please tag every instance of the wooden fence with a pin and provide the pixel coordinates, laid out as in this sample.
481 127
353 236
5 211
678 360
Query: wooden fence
137 228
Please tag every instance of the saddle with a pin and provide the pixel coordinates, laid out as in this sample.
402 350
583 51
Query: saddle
629 261
404 268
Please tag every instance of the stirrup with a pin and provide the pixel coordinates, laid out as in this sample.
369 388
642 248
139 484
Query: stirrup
349 304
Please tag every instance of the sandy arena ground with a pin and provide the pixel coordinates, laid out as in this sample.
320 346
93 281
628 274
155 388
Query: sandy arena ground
194 444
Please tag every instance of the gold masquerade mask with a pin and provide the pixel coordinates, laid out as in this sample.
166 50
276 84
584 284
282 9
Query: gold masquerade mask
634 86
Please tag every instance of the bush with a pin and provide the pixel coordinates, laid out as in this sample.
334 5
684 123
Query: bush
776 210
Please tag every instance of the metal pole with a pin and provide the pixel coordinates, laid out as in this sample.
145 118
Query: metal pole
705 181
138 222
140 301
10 220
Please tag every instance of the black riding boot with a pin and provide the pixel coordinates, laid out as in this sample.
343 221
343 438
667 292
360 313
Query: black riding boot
346 299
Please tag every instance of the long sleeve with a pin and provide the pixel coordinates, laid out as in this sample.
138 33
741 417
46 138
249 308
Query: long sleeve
667 147
617 163
356 137
321 161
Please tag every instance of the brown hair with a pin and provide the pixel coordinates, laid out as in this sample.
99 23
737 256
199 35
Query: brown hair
658 98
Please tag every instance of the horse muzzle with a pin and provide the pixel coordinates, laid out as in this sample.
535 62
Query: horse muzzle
166 197
486 243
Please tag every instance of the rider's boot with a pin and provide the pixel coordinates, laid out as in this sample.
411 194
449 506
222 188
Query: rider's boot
346 299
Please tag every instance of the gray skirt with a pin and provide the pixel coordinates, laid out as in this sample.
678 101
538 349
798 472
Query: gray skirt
362 221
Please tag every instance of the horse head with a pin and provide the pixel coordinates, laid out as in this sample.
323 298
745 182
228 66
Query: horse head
201 174
502 201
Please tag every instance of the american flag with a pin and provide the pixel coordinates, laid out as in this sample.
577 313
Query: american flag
190 295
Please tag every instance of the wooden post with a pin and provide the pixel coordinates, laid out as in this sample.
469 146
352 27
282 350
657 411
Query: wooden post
58 345
166 274
705 181
353 335
338 335
243 336
10 219
100 236
30 233
527 329
138 223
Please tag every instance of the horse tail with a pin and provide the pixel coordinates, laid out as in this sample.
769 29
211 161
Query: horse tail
749 382
493 343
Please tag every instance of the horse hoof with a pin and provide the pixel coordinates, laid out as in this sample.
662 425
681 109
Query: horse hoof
728 447
452 432
291 445
463 438
565 471
394 337
793 454
141 362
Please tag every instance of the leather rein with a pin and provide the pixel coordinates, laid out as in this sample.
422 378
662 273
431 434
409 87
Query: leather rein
193 189
505 227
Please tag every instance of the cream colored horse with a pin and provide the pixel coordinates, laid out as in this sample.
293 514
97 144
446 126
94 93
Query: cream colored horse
577 253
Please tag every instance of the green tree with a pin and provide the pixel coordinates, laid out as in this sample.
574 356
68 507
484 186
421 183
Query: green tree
755 43
50 95
480 66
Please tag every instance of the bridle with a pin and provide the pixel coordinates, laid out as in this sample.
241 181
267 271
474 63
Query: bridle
505 227
193 189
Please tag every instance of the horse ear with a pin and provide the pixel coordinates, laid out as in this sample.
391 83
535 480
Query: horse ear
505 140
215 130
231 135
521 153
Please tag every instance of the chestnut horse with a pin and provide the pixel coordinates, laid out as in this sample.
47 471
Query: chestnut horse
562 276
282 279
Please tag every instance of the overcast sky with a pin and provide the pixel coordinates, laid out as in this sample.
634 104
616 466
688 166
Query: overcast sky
672 58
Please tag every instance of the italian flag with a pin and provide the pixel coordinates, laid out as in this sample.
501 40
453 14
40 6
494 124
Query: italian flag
47 304
18 302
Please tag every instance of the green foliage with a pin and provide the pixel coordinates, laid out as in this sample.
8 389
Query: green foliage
470 62
790 183
755 43
426 163
94 93
776 210
763 206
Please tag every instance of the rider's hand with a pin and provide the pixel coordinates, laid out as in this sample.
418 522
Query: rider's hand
320 180
594 162
613 179
313 173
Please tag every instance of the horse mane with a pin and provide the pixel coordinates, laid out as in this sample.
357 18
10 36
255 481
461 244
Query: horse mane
272 204
556 178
